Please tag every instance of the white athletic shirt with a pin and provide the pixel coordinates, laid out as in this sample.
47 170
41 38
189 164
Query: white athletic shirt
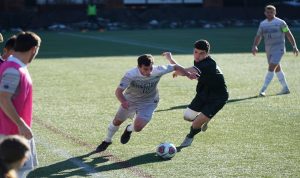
273 33
139 88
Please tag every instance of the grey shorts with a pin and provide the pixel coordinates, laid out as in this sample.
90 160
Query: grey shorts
141 110
274 58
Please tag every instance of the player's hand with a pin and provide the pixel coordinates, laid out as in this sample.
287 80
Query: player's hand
175 74
295 51
168 55
125 104
254 50
193 76
25 131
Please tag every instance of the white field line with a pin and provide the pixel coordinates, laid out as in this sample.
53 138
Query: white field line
63 153
128 42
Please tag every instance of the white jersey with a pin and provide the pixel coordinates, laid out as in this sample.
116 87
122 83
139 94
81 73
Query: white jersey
273 33
139 88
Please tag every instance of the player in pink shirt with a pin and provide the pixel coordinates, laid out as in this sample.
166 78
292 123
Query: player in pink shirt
16 93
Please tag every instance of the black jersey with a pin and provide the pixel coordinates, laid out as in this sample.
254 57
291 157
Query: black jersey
211 83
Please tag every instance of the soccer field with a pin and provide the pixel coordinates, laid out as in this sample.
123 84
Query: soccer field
75 77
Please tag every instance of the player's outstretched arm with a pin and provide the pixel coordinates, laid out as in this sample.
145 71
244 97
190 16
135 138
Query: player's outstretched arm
292 40
169 57
179 70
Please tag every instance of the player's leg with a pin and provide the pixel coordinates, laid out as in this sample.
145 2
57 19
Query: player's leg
113 127
281 77
201 120
208 111
144 114
190 115
269 76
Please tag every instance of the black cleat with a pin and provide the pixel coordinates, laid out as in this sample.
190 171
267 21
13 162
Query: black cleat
125 136
103 146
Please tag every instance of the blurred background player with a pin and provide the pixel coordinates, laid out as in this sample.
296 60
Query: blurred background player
14 151
16 94
211 90
138 95
274 30
8 48
1 38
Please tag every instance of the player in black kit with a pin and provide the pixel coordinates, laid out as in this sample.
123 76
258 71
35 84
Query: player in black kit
211 90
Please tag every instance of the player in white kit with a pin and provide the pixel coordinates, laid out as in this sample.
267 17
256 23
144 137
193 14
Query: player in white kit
138 95
274 30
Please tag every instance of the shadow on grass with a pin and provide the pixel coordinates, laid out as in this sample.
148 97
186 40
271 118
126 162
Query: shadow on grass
74 166
70 167
132 162
228 102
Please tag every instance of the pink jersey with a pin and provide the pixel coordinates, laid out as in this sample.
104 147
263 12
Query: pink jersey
22 99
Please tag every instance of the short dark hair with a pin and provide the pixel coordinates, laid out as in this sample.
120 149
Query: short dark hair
145 59
26 40
202 45
13 148
10 43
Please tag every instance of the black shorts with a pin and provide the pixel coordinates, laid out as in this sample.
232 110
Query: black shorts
208 107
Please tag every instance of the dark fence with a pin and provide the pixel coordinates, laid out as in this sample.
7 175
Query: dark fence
42 17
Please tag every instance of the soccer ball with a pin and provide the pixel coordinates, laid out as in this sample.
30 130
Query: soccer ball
166 150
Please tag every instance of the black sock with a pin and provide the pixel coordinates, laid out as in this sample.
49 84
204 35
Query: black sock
193 132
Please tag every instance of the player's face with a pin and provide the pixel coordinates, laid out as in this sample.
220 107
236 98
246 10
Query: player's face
6 53
199 54
270 14
146 70
35 51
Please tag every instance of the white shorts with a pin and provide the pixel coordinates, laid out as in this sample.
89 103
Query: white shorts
274 58
141 110
31 163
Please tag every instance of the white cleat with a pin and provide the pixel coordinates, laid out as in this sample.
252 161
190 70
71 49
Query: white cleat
262 94
284 91
187 142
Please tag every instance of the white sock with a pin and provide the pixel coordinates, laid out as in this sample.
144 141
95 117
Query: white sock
111 130
130 128
268 79
281 78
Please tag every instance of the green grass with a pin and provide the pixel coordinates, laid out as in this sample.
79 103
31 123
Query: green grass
74 102
120 43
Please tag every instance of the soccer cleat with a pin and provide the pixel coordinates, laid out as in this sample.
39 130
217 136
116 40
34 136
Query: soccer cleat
103 146
187 142
262 94
284 91
204 127
125 136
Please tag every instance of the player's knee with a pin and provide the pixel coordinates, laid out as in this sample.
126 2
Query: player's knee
190 115
117 122
138 128
139 124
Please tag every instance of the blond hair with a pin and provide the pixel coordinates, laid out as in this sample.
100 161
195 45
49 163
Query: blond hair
270 7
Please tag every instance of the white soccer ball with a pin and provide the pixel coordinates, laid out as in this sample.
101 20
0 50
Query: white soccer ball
166 150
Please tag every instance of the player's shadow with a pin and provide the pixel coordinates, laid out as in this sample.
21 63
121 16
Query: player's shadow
132 162
77 166
229 101
67 168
